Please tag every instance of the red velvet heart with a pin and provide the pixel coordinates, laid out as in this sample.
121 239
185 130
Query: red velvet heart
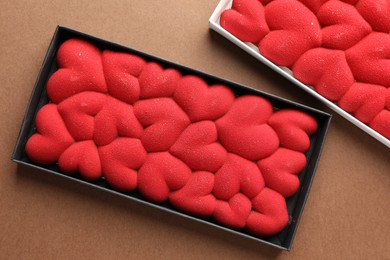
234 213
244 130
197 146
293 128
195 197
376 13
121 71
160 174
81 157
245 20
80 69
381 123
343 26
237 175
163 120
119 161
201 102
326 70
52 137
313 5
280 171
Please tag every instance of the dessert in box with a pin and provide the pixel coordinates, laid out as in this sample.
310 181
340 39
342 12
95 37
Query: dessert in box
340 49
172 137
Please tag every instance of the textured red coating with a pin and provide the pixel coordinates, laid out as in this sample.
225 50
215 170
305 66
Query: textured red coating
377 13
381 123
234 212
313 5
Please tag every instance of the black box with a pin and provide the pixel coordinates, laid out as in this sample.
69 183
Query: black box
295 204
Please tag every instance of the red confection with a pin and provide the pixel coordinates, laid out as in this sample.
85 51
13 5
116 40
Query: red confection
156 82
293 128
244 130
80 70
115 119
197 146
52 137
78 112
326 70
294 30
269 215
342 25
280 171
121 71
369 59
364 101
352 2
201 102
237 175
381 123
160 174
119 161
81 157
195 197
245 20
233 213
388 99
313 5
377 13
163 120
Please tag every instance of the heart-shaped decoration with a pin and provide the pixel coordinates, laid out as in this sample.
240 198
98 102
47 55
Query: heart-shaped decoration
81 157
245 20
244 129
381 123
369 59
120 159
78 112
156 82
52 137
234 213
201 102
269 213
121 71
80 69
280 171
376 13
160 174
237 175
197 146
115 119
293 128
195 197
313 5
343 26
364 101
294 30
163 120
326 70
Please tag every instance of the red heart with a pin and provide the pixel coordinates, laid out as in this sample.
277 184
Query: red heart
52 137
81 157
78 112
381 123
163 120
369 59
201 102
326 70
313 5
195 197
280 171
156 82
121 71
343 26
365 101
244 130
119 161
115 119
237 175
160 174
293 128
376 13
245 20
197 146
233 213
294 30
80 70
269 215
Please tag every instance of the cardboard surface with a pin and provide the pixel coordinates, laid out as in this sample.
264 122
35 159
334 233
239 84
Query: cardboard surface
346 215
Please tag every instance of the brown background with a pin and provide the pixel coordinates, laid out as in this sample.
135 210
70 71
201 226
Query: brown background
41 216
